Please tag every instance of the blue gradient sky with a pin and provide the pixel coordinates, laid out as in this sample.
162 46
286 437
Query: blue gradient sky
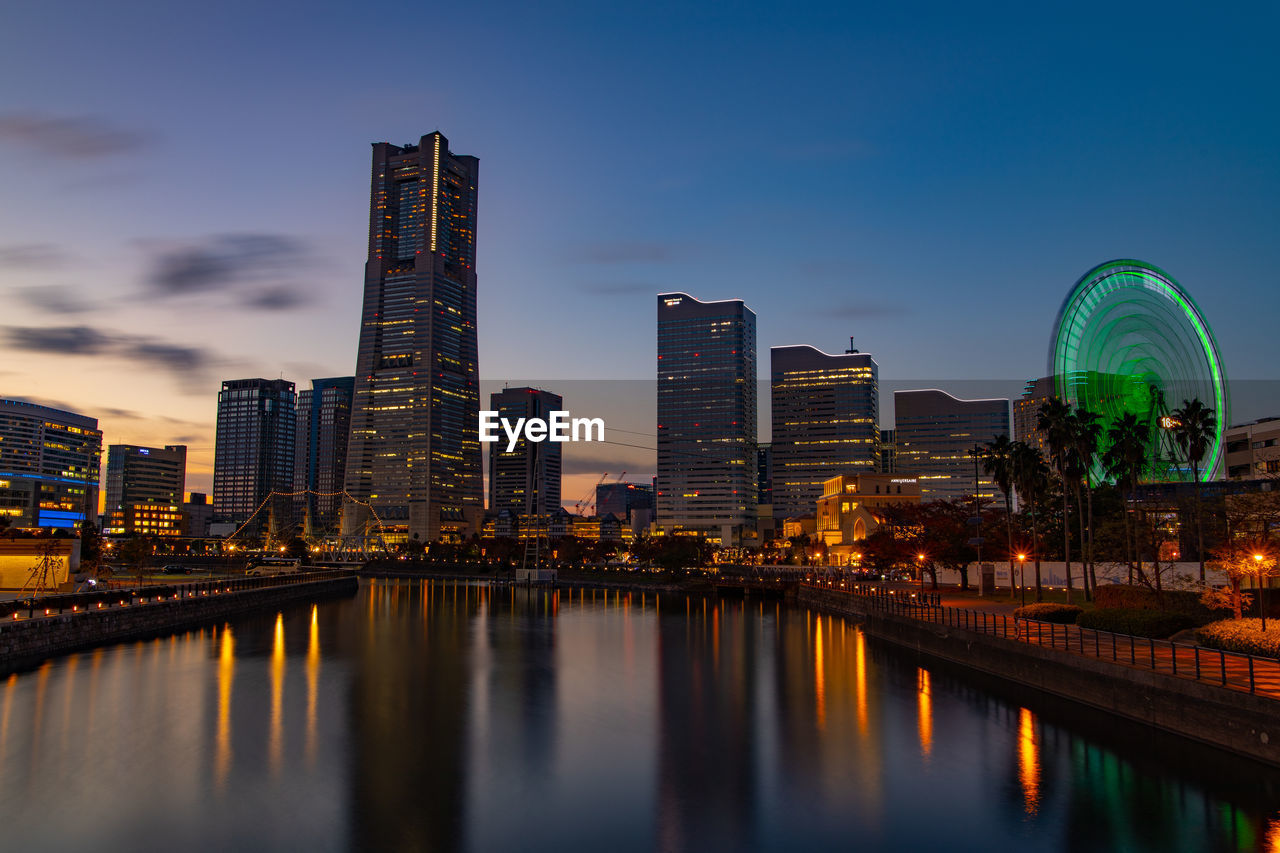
929 178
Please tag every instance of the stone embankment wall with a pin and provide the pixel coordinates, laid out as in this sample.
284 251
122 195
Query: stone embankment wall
1242 723
26 642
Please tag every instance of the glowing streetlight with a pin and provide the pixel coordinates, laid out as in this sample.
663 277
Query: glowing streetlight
1022 577
920 570
1262 602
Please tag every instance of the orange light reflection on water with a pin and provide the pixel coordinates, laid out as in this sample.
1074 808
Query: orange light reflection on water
1028 761
819 682
226 674
925 698
313 682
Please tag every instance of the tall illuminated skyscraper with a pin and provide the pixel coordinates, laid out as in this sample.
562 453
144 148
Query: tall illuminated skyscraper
320 453
706 417
414 452
526 479
253 454
935 435
825 422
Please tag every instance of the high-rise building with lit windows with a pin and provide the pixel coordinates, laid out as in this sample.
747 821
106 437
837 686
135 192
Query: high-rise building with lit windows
706 417
50 461
525 479
253 454
935 435
414 452
825 412
145 489
320 452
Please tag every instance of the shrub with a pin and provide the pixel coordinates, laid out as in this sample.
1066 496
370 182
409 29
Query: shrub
1116 596
1140 623
1063 614
1241 635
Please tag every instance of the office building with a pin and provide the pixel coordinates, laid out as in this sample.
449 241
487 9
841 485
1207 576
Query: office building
138 476
1252 450
936 435
320 453
253 455
621 499
706 418
888 451
414 452
764 475
50 461
198 515
825 422
526 479
1026 413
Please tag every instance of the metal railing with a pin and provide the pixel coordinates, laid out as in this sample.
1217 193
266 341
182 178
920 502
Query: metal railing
24 609
1232 670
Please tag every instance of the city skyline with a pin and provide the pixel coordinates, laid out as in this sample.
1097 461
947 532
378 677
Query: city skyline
932 201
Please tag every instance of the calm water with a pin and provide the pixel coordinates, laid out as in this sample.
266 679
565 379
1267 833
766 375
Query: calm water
435 716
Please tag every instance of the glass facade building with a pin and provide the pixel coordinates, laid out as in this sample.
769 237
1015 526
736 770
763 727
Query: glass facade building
706 417
253 453
526 479
140 476
825 415
935 436
414 451
320 452
50 461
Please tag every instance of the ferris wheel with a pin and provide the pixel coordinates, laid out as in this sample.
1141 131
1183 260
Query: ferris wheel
1130 339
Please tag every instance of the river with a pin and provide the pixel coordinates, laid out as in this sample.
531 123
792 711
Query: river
444 716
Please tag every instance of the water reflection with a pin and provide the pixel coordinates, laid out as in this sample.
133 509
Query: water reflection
434 716
1028 761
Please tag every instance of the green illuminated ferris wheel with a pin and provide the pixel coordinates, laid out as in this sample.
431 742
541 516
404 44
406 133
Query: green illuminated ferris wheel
1130 339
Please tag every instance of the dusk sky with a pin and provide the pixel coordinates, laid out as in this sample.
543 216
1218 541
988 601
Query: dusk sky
186 186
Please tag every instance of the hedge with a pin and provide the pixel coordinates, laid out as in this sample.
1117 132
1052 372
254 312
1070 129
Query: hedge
1140 623
1063 614
1120 596
1242 635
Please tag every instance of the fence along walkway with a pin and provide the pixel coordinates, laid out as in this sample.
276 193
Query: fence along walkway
1232 670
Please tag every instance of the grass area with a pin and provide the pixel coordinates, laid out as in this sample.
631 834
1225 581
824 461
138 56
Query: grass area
1055 595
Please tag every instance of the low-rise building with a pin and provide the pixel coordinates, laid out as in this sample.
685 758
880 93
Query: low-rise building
1253 450
852 507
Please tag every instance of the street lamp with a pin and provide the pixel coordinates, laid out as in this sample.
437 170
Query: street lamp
1022 577
1262 601
920 571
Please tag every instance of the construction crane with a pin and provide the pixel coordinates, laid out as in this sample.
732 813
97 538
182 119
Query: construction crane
589 499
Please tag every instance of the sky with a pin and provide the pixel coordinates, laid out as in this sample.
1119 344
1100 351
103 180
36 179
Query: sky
184 187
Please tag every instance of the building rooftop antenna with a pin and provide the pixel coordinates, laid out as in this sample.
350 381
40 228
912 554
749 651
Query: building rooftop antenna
850 350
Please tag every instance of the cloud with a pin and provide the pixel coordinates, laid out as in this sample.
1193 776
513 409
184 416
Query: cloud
32 256
54 299
183 362
253 268
626 253
69 138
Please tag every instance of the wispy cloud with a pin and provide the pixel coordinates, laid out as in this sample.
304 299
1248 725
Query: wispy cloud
185 363
54 299
69 137
254 269
32 256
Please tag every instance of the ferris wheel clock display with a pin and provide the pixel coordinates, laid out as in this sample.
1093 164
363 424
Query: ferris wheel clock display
1129 338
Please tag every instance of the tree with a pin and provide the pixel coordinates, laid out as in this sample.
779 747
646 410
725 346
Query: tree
1054 422
1194 428
998 462
1235 559
1126 460
1085 432
134 553
1032 478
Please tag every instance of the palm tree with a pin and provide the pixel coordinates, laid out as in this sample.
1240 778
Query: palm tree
997 462
1126 460
1032 477
1085 432
1193 431
1054 422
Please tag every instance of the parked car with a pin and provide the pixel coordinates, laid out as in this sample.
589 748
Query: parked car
174 569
